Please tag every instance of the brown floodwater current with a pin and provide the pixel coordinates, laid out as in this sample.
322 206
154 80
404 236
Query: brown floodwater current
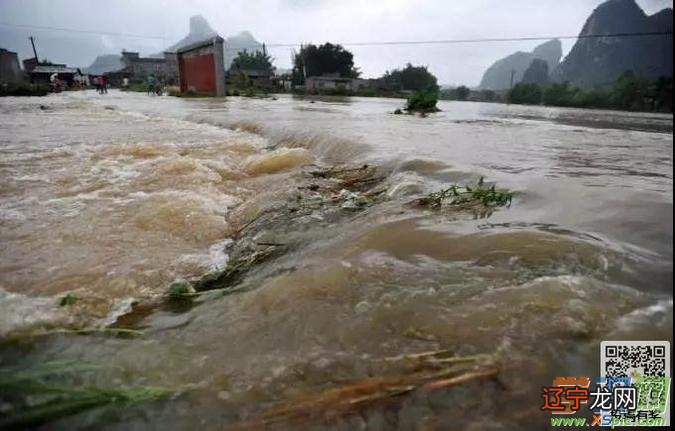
111 198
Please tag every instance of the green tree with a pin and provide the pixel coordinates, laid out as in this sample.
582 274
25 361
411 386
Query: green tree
487 96
413 78
560 94
462 92
662 94
324 59
527 94
630 92
258 60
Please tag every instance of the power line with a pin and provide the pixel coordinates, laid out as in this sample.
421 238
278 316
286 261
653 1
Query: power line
372 43
483 40
74 30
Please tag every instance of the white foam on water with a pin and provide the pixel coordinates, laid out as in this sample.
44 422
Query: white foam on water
19 312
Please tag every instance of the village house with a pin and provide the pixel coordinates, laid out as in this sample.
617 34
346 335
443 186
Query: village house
31 63
42 73
258 78
137 68
333 81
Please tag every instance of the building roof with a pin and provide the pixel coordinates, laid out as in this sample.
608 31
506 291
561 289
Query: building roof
329 78
54 69
196 45
148 60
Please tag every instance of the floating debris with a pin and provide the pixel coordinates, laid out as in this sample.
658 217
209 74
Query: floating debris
401 376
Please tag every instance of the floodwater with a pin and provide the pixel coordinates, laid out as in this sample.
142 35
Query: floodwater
111 198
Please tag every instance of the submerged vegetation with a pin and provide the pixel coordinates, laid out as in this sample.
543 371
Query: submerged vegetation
67 300
50 391
467 196
423 101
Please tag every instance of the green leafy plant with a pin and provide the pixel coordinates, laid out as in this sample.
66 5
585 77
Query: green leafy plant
487 196
423 101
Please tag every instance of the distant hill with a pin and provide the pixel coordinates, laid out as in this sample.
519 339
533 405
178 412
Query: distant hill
596 61
498 76
537 73
199 30
74 49
239 42
104 63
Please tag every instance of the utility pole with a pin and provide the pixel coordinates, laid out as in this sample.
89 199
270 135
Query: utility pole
32 42
304 63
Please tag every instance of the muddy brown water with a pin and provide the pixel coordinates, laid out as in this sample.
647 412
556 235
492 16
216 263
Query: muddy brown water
111 198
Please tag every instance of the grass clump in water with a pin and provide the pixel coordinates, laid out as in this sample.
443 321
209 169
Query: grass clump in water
179 290
68 300
467 196
423 101
45 393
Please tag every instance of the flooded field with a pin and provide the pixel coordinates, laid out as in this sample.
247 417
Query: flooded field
105 201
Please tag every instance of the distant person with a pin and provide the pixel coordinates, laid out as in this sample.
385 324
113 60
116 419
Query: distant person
54 82
104 84
152 84
125 82
97 84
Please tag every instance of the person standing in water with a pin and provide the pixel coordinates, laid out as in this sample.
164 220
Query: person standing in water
152 83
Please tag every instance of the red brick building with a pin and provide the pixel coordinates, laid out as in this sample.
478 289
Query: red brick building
201 67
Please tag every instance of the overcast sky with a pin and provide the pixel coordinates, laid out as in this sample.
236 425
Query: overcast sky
342 21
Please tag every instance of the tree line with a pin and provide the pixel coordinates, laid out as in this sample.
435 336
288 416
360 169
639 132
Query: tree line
629 92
